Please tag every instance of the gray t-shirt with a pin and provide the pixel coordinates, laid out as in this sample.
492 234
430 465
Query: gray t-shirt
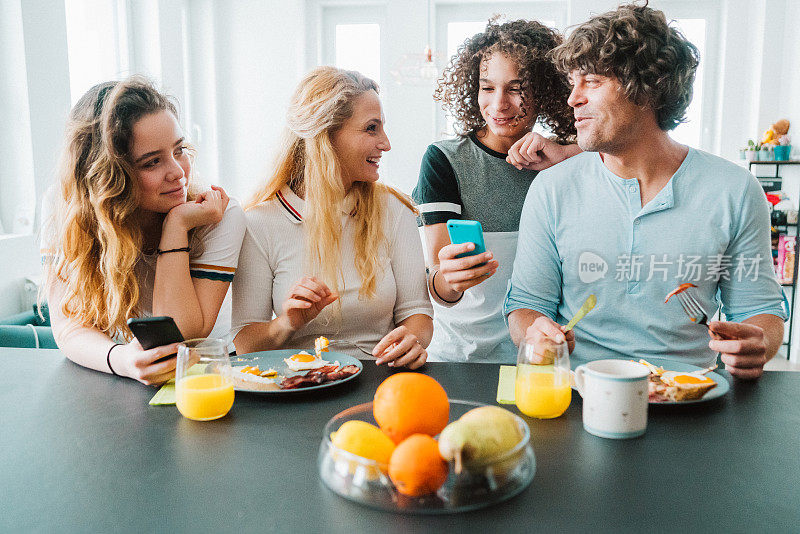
464 179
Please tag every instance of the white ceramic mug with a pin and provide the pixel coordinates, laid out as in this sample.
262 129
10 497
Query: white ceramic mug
614 398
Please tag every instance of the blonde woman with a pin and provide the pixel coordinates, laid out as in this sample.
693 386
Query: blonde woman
328 250
132 235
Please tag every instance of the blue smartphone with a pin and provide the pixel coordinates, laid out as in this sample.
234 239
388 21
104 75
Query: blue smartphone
462 231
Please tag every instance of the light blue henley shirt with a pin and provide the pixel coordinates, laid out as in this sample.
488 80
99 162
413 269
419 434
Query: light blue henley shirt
583 230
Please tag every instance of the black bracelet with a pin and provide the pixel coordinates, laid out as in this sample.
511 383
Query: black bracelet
433 286
183 249
108 359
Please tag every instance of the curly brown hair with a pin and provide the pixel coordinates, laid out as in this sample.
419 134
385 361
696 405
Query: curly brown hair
525 42
654 63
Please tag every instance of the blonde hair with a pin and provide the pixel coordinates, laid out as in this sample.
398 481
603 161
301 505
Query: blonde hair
307 162
95 236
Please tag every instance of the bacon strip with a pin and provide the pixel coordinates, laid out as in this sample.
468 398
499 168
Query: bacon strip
329 373
344 372
680 289
326 369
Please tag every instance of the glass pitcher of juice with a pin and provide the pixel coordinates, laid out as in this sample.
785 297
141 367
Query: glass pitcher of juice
542 387
203 379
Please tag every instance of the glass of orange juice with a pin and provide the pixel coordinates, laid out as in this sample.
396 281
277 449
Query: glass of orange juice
542 387
203 379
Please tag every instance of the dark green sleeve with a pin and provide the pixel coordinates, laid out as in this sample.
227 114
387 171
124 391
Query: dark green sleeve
437 195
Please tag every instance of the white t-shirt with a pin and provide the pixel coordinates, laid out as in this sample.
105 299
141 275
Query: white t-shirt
215 258
272 261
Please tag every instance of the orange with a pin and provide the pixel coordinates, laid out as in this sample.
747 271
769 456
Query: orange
416 468
410 403
365 440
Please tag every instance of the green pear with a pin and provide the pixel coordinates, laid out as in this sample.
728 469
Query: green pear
479 434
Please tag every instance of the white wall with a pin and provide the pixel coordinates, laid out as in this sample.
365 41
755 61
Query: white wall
19 258
32 135
17 185
259 50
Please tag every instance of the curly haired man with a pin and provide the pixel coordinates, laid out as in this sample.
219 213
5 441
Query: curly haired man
638 213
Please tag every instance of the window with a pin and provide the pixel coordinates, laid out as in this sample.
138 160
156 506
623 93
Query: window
17 188
700 23
358 48
351 39
690 133
93 44
458 32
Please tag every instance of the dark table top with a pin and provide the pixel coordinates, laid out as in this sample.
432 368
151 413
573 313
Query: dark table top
83 452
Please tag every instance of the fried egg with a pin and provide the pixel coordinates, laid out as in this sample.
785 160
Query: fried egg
304 361
321 345
675 378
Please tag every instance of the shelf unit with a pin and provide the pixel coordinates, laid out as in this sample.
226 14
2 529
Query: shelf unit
796 226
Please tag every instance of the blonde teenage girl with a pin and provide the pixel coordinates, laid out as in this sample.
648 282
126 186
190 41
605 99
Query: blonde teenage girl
131 234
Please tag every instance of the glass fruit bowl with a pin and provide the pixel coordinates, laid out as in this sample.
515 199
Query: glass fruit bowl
367 482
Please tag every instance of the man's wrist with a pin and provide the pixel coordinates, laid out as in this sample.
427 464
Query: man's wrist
570 150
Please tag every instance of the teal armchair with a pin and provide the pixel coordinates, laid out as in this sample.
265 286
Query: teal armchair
27 330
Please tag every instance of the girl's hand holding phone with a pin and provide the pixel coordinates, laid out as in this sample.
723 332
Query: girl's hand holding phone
133 361
465 272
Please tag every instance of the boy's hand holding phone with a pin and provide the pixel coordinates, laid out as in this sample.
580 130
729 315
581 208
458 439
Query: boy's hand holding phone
465 262
467 271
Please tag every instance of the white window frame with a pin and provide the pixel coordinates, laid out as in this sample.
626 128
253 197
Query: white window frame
711 12
323 17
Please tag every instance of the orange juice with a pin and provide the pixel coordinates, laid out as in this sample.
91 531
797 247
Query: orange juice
204 397
542 395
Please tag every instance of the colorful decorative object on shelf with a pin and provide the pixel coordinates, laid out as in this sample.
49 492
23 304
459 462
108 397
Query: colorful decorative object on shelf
786 258
777 142
783 150
775 131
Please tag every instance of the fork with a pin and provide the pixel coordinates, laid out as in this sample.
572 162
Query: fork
692 307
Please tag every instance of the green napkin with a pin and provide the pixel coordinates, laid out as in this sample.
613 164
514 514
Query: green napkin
166 395
505 385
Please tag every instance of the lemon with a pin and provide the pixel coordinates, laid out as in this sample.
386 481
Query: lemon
365 440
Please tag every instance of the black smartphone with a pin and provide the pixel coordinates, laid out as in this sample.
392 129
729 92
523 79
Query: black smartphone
155 331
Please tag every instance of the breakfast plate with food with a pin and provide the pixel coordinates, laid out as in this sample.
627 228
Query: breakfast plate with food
292 370
672 382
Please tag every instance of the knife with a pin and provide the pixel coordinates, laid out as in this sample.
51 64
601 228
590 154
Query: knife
586 308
